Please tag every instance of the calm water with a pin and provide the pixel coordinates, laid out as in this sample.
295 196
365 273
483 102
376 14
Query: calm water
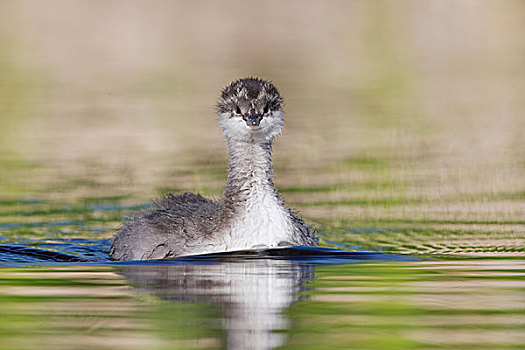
314 299
404 148
59 291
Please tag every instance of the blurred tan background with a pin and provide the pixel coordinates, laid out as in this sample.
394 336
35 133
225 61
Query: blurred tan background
120 95
405 133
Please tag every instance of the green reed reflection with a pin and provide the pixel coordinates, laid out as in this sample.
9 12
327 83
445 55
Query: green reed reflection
422 305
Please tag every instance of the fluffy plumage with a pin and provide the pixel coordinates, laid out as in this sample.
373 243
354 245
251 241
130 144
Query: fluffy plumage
251 215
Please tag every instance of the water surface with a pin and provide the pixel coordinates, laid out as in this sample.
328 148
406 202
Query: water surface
403 147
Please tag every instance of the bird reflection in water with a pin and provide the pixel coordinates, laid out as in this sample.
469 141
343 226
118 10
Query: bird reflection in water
252 293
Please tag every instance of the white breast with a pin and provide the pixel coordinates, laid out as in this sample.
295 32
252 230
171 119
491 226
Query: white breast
262 222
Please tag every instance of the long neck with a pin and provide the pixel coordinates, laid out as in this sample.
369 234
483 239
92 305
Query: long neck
251 171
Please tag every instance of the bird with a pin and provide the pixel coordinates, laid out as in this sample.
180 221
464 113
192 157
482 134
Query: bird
251 215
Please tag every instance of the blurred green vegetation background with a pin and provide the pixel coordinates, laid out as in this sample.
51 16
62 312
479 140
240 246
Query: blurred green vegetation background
405 116
405 133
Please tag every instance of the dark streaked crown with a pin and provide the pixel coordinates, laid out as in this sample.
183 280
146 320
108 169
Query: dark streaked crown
246 92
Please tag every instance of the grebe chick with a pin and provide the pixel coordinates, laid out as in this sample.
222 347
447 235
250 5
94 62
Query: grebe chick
252 214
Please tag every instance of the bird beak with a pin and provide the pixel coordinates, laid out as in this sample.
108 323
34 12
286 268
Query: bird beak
252 119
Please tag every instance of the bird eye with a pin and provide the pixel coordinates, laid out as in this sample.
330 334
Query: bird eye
266 109
238 110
